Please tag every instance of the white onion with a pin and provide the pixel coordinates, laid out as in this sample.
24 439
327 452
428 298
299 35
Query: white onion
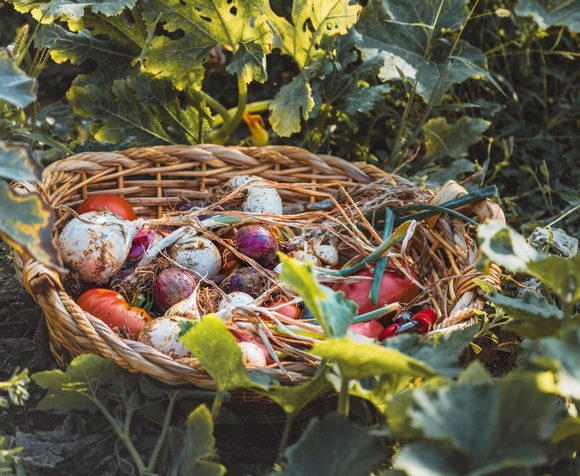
96 244
162 334
327 254
230 302
186 309
258 199
252 355
197 254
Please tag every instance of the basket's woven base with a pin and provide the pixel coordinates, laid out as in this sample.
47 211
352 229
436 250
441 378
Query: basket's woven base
317 190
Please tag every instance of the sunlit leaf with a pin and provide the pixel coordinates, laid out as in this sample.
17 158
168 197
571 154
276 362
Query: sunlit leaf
16 87
216 349
198 447
452 140
294 398
331 309
562 275
476 429
505 247
49 11
77 387
407 41
359 360
532 316
548 13
562 355
26 223
16 163
333 445
202 25
312 20
293 103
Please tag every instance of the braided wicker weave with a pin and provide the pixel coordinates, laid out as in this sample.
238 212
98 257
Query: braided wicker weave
157 180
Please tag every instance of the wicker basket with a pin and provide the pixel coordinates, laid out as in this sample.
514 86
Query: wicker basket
158 180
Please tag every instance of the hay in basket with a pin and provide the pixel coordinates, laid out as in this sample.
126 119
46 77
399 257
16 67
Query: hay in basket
323 196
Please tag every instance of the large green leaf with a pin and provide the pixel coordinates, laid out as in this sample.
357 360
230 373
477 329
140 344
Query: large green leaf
410 43
293 103
562 355
117 46
547 13
474 429
145 108
331 309
203 24
359 360
216 349
452 140
77 387
15 86
562 275
16 163
26 223
198 446
312 21
532 316
49 11
335 446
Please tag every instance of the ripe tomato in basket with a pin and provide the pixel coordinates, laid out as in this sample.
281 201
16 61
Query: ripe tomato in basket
114 310
114 203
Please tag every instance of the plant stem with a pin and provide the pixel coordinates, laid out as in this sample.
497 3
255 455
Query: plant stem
221 135
122 434
285 434
217 404
369 316
163 436
343 399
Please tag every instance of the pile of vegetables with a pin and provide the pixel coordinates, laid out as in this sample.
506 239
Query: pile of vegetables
144 277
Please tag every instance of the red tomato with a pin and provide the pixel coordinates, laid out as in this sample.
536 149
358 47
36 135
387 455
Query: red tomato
395 287
370 329
292 311
114 310
114 203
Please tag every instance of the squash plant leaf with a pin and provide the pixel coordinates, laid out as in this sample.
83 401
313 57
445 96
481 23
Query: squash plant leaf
331 309
410 42
452 140
215 347
77 387
312 20
492 426
16 163
198 446
31 237
547 14
293 103
532 316
146 108
49 11
202 25
560 354
360 360
333 445
16 87
562 275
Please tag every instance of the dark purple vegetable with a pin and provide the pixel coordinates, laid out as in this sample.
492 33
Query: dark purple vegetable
247 280
256 242
172 285
140 243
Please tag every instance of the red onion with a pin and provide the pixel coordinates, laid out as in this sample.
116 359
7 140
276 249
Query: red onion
172 285
247 280
140 243
256 242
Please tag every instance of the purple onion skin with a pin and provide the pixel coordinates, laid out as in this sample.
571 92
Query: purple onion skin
172 285
256 242
140 243
247 280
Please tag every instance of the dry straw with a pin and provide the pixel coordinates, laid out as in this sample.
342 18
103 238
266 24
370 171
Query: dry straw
325 194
